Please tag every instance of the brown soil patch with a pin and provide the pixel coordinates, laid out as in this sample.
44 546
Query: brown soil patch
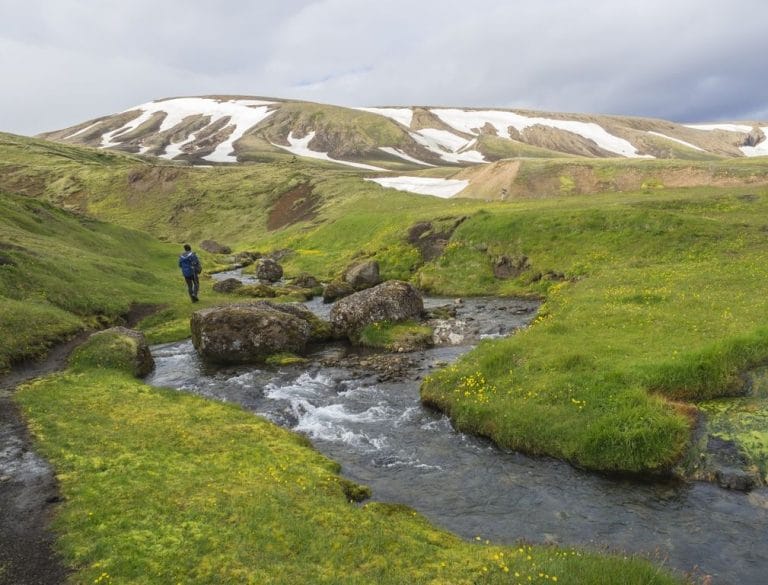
298 204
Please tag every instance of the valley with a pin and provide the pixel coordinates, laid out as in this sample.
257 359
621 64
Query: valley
649 342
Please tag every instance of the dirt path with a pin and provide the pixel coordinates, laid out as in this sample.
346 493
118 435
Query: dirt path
28 489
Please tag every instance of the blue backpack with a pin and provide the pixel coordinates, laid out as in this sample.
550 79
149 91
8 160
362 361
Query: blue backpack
190 264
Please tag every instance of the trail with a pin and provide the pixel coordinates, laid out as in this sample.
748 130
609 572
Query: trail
28 489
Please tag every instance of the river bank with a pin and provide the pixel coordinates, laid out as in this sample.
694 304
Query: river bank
376 427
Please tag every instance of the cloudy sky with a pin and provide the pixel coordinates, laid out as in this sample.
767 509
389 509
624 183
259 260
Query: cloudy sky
66 61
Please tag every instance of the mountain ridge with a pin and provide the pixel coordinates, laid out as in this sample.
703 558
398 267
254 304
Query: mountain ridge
218 129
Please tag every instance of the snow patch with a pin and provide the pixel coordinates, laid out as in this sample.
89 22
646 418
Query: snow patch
403 116
683 142
423 185
728 127
471 121
448 146
300 147
399 153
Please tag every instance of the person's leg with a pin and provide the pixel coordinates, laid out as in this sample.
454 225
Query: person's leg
190 286
195 287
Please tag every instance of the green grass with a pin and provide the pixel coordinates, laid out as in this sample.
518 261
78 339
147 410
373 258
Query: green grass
663 304
392 336
163 487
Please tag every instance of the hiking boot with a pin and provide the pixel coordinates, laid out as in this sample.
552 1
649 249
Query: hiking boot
194 299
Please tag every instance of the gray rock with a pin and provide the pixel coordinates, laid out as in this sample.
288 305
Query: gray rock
214 247
227 285
336 290
363 275
305 280
240 333
392 301
269 270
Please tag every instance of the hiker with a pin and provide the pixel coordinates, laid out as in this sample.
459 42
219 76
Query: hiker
190 268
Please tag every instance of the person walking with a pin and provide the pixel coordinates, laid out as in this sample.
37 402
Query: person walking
191 268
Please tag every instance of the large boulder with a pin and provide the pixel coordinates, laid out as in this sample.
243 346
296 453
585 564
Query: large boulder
269 270
241 333
363 275
214 247
335 290
227 285
117 348
391 301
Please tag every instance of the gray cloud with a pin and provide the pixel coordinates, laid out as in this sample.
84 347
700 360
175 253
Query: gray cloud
65 61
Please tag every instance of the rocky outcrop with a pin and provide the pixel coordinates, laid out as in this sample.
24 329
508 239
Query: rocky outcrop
241 333
391 301
336 290
227 285
431 238
269 270
363 275
506 267
214 247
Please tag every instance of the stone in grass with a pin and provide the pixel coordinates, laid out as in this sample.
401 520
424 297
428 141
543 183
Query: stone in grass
214 247
227 285
391 301
116 348
269 270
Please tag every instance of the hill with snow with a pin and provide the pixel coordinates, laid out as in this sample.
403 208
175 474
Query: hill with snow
230 129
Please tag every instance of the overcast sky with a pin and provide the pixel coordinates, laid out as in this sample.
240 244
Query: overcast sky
65 61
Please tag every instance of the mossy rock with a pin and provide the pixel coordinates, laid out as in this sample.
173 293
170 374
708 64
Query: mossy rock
259 291
117 348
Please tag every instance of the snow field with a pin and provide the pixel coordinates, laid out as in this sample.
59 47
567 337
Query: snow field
444 188
243 114
471 121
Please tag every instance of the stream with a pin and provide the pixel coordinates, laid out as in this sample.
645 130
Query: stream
382 437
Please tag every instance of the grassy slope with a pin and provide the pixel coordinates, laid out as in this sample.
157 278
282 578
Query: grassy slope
64 273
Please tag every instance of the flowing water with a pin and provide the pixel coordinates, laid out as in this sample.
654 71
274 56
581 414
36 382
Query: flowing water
407 454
